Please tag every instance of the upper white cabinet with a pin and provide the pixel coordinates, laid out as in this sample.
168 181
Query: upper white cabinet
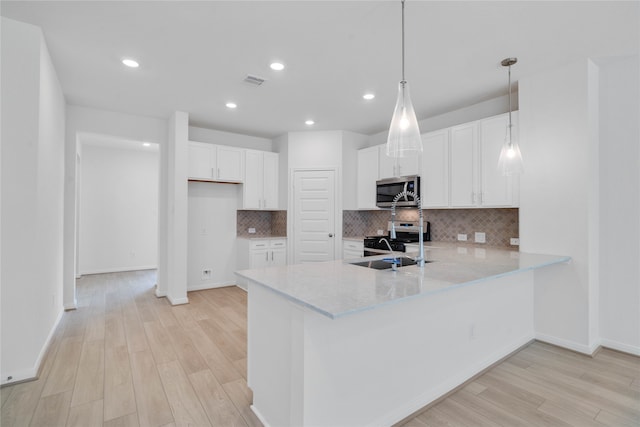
209 162
459 167
434 178
260 189
403 166
495 188
475 178
463 165
367 177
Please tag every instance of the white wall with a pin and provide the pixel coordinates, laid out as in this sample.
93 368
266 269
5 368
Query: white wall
555 198
481 110
620 203
118 208
81 120
212 234
33 119
219 137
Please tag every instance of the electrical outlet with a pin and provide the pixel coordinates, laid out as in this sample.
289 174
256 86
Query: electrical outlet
462 237
515 241
206 274
252 230
480 237
380 232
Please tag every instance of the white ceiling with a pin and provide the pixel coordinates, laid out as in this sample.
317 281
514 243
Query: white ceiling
194 55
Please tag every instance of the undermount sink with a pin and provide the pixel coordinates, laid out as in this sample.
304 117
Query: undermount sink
379 264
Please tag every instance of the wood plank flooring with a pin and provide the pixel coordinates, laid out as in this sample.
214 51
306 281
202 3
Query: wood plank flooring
127 358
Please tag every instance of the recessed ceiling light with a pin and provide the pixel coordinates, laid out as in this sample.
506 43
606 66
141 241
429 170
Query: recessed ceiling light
146 144
130 63
277 66
309 122
231 105
368 96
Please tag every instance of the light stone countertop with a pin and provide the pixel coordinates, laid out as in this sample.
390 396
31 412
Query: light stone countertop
337 288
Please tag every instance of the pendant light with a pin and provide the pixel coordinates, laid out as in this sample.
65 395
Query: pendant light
510 161
404 134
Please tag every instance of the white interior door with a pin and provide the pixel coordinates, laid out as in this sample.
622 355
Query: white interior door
314 216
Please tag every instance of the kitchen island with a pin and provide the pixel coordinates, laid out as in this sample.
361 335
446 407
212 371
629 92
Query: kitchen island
336 344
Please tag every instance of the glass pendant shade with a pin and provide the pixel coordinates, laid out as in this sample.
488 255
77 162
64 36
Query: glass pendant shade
404 134
510 160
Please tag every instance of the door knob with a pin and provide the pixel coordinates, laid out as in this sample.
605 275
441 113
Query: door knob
330 234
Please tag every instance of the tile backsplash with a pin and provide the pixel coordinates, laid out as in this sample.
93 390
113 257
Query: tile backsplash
499 225
266 223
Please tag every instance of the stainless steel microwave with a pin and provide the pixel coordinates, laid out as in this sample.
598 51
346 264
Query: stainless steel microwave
387 189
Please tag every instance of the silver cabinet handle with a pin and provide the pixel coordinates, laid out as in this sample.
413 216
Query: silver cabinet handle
473 197
266 256
271 255
212 173
218 172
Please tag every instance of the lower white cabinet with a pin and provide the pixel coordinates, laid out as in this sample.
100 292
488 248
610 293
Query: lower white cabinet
260 253
352 249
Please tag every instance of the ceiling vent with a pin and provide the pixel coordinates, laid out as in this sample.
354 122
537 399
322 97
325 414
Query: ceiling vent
254 80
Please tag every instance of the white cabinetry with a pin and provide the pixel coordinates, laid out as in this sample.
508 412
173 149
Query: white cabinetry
352 249
260 253
367 177
209 162
260 188
463 165
495 188
475 178
434 178
403 166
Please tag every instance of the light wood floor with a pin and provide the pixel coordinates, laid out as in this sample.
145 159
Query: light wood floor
127 358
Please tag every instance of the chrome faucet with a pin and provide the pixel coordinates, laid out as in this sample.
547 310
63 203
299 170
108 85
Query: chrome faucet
394 263
420 259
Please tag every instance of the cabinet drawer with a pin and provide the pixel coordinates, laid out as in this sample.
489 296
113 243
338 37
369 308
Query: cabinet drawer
353 246
281 243
259 244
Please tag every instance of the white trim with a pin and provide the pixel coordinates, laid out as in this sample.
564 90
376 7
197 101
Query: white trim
119 269
209 286
178 301
160 294
259 415
451 384
32 373
616 345
571 345
74 306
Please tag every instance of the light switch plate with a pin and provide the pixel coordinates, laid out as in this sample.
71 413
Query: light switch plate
462 237
480 237
515 241
380 232
252 230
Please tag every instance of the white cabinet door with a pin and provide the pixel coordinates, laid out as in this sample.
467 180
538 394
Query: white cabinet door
201 160
495 188
403 166
352 249
259 258
270 181
260 189
230 164
434 179
463 165
367 177
278 257
252 186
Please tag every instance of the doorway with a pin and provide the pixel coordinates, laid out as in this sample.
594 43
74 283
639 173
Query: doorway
314 215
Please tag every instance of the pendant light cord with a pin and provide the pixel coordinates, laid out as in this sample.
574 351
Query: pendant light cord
403 40
510 136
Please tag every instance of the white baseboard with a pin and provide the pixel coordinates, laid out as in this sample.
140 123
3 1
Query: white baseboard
202 286
260 417
118 269
451 384
32 373
625 348
178 301
571 345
